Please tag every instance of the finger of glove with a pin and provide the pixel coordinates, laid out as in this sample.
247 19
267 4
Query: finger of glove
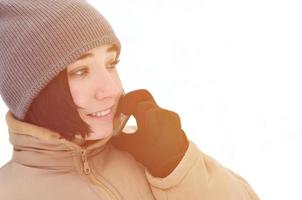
123 140
159 118
140 112
129 102
168 137
158 123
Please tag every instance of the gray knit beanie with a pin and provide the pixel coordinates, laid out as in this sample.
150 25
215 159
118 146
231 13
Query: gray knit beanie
40 38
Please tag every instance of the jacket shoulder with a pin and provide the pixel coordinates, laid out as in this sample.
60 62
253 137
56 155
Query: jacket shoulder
6 181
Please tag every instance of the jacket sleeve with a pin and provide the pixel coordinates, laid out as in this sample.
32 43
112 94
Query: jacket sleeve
198 176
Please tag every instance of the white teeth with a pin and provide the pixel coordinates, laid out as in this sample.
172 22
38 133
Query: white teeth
101 113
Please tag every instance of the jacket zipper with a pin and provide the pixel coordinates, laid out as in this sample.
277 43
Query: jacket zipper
87 171
86 167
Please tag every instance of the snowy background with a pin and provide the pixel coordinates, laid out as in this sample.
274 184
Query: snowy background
230 69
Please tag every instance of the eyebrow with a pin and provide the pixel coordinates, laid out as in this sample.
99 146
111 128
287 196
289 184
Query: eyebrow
89 55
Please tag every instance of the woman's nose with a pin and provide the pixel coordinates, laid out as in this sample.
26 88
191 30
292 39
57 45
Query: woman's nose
106 87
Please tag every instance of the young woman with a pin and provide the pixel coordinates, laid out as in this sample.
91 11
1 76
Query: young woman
66 108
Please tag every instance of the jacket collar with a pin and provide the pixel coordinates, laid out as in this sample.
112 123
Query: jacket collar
39 146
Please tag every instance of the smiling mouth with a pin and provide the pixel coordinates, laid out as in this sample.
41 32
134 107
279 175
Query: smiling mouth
102 116
101 113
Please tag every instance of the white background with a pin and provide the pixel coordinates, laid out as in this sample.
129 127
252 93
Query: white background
230 69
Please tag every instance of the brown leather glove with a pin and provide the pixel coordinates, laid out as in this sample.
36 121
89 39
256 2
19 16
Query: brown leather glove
159 142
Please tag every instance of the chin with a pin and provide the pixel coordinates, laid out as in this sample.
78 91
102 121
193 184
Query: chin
100 133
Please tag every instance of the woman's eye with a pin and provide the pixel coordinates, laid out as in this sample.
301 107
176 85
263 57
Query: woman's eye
113 64
80 72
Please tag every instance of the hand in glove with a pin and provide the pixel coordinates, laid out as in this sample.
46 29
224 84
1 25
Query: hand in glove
159 142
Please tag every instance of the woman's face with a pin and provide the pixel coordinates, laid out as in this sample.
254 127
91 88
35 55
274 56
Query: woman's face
95 88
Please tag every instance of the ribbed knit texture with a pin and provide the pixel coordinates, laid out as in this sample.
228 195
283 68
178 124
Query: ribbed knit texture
40 38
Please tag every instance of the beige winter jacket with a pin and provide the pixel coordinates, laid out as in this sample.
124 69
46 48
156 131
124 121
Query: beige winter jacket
45 166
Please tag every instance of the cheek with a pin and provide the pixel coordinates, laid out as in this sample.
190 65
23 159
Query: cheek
78 95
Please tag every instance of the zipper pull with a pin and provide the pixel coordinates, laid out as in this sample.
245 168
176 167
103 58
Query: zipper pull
86 167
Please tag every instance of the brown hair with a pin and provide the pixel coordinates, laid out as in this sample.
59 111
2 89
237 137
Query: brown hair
54 109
